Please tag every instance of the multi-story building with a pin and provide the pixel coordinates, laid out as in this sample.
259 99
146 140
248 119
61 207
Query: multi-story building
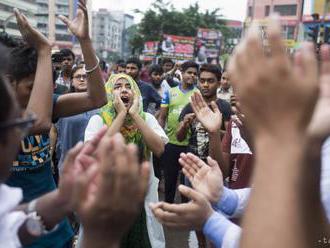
290 12
51 26
28 7
109 36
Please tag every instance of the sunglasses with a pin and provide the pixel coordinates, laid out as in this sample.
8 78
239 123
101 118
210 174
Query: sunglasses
24 124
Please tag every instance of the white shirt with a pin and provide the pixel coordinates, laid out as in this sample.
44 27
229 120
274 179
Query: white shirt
155 229
10 221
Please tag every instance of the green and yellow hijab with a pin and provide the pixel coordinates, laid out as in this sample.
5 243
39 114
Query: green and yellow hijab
129 130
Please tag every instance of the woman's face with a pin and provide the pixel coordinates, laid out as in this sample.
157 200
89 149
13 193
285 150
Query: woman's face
124 89
79 80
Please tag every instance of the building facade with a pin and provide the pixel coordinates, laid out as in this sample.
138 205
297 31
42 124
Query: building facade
7 19
110 36
290 12
51 26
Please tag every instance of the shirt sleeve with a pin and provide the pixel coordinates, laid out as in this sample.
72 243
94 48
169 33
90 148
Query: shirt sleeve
94 125
166 99
221 231
233 202
154 125
225 110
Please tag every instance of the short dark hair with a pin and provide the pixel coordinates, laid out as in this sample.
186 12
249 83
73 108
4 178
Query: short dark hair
22 62
122 64
189 64
215 69
167 60
136 61
65 52
120 61
156 68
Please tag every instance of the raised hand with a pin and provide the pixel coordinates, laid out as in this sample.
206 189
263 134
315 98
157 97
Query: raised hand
274 72
31 35
78 160
188 119
319 127
105 211
191 215
206 179
211 118
79 25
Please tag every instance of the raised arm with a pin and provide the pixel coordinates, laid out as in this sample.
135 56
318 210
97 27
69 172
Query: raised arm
43 84
184 126
95 97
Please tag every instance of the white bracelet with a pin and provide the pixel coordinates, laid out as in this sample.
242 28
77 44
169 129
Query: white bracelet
94 68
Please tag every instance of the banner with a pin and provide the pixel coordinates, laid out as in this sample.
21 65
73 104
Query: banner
177 47
208 45
150 50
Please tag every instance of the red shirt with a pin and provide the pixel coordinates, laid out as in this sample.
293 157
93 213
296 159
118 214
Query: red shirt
241 161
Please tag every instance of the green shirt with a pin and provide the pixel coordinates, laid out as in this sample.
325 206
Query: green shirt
175 99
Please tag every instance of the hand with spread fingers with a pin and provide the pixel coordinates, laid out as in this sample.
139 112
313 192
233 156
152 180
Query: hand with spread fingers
105 212
319 127
206 179
210 117
191 215
31 35
79 25
77 161
256 86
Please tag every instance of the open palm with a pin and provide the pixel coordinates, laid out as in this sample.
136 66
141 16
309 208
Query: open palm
211 119
206 179
79 25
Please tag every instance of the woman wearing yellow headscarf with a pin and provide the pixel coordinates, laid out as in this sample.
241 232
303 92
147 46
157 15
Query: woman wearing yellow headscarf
123 113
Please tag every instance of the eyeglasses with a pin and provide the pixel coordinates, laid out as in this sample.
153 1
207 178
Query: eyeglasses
24 124
82 76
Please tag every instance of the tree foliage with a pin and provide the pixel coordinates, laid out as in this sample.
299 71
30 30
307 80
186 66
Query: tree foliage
163 18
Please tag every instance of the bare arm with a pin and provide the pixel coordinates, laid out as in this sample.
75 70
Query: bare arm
42 87
217 154
95 97
163 116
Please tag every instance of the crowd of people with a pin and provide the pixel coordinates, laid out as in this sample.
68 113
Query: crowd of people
85 148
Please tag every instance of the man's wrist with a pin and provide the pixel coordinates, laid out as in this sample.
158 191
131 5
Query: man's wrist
44 50
85 40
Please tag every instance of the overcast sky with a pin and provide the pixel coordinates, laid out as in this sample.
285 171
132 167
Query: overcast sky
231 9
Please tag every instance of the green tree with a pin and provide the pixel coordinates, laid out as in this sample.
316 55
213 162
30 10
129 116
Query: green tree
162 18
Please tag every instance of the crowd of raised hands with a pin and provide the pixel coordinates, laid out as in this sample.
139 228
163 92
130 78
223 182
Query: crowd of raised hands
284 104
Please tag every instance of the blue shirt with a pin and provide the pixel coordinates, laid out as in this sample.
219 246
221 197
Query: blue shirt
149 95
32 173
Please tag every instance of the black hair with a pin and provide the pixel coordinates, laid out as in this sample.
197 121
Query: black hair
156 68
136 61
10 41
215 69
120 61
189 64
167 60
123 64
22 63
65 52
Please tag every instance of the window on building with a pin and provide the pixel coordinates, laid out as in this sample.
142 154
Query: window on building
267 10
250 11
286 10
288 32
